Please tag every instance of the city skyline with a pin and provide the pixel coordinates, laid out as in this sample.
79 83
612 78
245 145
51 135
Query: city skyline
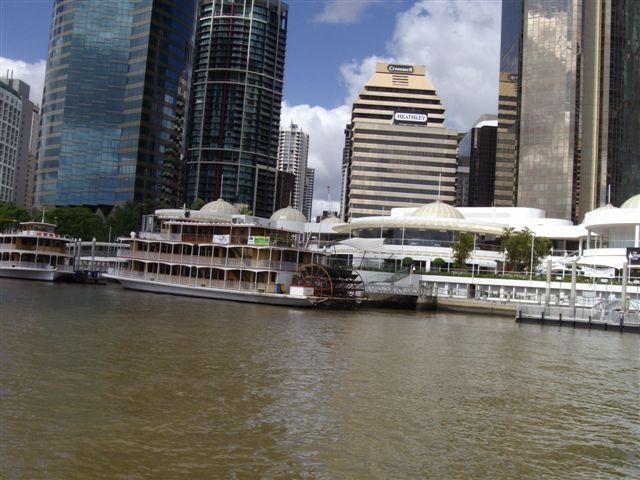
319 88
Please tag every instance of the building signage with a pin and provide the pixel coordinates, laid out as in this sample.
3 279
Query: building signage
410 117
221 239
598 272
400 68
259 241
633 255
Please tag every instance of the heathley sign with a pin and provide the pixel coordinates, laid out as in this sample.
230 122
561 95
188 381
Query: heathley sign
410 117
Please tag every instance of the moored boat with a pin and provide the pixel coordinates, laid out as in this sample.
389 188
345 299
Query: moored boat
34 251
218 253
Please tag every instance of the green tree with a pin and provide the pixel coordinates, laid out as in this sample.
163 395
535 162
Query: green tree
197 204
407 262
518 247
462 249
11 215
123 220
438 263
246 210
150 205
78 222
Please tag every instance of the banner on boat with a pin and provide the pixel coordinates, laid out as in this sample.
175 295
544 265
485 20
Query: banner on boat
222 239
259 241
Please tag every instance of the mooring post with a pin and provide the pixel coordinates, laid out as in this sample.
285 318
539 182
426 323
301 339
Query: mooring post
574 267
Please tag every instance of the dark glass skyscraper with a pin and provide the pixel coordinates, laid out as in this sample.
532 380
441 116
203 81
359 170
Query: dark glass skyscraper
507 135
236 94
477 164
622 164
573 95
112 101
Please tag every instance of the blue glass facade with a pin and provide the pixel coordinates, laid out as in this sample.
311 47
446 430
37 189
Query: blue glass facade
110 81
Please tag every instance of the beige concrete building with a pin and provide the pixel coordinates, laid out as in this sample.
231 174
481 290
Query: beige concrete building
400 154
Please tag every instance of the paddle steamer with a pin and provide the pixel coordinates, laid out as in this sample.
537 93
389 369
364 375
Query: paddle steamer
34 251
218 253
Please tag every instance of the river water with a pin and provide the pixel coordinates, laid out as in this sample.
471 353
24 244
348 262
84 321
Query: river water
103 383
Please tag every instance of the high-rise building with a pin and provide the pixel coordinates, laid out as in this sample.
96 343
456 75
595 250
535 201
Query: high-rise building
611 119
111 99
505 183
293 152
236 94
477 164
400 153
576 103
344 186
30 174
10 127
23 166
309 180
285 184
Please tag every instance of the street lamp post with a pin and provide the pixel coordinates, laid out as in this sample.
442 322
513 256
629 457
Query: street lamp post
533 242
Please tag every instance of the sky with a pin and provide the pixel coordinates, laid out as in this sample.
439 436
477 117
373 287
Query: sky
332 47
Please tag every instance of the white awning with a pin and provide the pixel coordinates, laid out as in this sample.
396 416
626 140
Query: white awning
602 261
365 244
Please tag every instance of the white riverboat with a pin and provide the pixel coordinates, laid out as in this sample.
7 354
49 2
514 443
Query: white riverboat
218 253
34 251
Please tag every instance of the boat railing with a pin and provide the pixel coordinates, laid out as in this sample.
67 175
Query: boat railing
196 281
212 261
35 265
241 240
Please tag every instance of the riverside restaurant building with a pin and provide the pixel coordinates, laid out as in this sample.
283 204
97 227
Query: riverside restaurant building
606 239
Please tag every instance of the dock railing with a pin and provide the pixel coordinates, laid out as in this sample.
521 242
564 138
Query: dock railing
596 316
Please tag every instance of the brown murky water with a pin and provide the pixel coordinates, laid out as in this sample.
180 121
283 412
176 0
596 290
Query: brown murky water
103 383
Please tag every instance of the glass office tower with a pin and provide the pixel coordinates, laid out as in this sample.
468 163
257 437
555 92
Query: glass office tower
623 125
578 105
235 103
111 101
507 135
549 150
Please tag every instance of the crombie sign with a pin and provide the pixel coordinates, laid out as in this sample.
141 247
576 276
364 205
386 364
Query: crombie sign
410 117
400 68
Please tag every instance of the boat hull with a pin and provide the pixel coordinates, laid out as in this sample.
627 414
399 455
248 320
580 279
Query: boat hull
214 293
29 274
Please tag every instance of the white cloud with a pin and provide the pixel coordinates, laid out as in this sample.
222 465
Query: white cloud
342 11
31 73
459 43
326 130
355 74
